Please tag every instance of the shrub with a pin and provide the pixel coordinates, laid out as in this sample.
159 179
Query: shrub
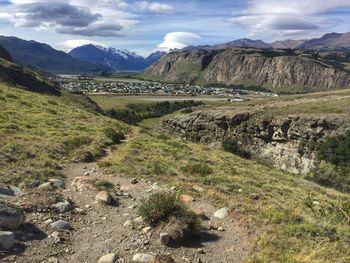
103 185
201 169
232 145
159 207
75 141
114 135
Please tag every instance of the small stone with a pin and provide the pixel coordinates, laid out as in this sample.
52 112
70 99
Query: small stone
87 206
221 213
134 181
200 250
109 258
63 206
103 198
61 225
146 229
138 220
127 223
220 228
48 221
7 239
58 183
132 207
186 198
165 239
45 185
173 188
142 258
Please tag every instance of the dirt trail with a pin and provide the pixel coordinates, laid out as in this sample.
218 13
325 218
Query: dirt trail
99 230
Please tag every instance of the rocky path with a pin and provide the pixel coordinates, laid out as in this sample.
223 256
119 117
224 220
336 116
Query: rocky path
95 230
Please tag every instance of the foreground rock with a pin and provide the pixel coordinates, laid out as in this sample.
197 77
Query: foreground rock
221 213
142 258
103 198
11 217
57 183
109 258
7 240
63 206
9 190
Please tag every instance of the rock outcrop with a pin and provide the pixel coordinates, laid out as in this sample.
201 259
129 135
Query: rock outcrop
275 70
276 139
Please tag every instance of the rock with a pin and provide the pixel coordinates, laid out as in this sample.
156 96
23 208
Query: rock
186 198
173 188
57 183
138 220
221 228
200 251
163 259
103 198
221 213
142 258
197 260
9 190
61 225
83 182
11 217
63 207
45 185
146 229
134 181
127 223
214 224
199 213
7 239
165 239
48 221
56 237
109 258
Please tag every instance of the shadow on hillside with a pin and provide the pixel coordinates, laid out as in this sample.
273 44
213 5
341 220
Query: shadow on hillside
197 242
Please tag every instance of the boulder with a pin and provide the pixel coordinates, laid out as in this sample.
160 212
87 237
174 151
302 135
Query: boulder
103 198
221 213
142 258
7 239
11 217
109 258
45 185
61 225
165 239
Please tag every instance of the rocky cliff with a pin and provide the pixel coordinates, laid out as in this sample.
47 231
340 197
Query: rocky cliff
279 71
277 140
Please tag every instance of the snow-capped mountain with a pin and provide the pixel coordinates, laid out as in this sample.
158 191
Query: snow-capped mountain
117 59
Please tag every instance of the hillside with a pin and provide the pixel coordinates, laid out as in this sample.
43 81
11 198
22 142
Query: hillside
44 57
332 41
281 71
5 54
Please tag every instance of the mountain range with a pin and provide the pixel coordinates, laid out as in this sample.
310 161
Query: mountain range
115 59
328 42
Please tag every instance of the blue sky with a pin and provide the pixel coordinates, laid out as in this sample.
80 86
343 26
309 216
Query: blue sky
145 26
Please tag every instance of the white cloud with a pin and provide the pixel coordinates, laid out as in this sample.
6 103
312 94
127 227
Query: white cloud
154 7
284 18
68 45
178 40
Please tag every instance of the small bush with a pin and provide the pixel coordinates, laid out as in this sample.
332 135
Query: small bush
75 141
159 207
113 135
232 145
201 169
103 185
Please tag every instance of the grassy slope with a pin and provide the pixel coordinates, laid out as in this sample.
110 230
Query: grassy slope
38 133
297 221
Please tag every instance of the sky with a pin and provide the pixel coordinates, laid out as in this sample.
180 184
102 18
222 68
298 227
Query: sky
147 26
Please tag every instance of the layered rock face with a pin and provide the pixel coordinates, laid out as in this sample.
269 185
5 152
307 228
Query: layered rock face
273 70
277 140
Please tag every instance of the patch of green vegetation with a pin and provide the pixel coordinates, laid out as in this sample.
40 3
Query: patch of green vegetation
103 185
231 145
39 133
163 207
201 169
295 220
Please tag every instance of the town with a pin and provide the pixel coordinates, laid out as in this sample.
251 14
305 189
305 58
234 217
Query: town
123 86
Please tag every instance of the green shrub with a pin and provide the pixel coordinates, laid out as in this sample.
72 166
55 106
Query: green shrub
165 206
75 141
103 185
232 145
201 169
114 135
159 207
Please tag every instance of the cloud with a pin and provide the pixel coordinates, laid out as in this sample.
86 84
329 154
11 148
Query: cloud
178 40
103 18
154 7
68 45
276 18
